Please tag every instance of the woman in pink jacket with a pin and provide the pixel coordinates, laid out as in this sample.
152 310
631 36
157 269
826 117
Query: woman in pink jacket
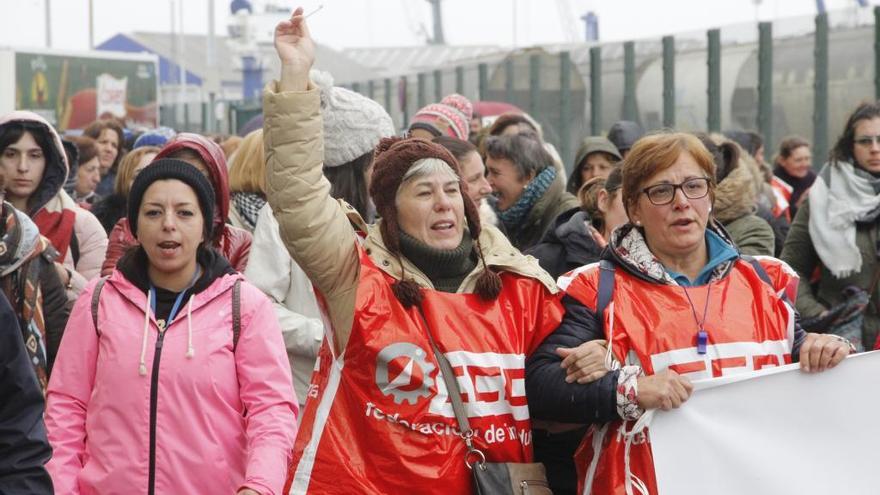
153 390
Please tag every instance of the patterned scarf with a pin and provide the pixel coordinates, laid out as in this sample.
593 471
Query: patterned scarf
513 217
20 247
248 206
629 245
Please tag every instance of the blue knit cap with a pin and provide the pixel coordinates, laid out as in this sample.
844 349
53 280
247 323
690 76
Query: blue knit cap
156 137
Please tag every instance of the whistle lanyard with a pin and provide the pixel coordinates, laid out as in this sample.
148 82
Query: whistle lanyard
702 335
163 324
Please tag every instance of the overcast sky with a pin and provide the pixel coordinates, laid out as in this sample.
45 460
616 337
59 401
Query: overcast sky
364 23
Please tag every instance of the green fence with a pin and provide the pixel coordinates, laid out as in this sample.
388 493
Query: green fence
799 76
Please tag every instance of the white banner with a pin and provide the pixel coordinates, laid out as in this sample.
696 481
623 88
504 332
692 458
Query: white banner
111 95
777 431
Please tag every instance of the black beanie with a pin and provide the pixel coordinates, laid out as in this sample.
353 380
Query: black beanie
170 168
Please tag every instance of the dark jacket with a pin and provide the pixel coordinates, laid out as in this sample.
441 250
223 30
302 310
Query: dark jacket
550 397
24 448
540 218
568 244
109 209
814 297
799 186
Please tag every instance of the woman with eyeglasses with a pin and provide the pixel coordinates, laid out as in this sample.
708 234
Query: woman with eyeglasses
837 231
673 298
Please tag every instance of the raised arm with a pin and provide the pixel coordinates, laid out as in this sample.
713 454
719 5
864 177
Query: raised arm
313 226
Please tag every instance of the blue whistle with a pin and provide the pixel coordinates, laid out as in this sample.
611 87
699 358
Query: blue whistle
702 341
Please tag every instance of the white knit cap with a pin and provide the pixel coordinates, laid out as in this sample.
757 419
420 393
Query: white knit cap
353 124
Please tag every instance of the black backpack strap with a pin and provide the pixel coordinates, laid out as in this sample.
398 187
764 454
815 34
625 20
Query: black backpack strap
606 290
236 313
762 274
74 248
96 299
759 269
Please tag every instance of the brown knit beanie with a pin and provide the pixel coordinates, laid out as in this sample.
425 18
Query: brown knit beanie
392 158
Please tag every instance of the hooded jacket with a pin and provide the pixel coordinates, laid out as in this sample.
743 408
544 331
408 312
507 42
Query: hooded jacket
590 145
30 281
232 242
221 418
650 327
354 431
734 207
60 219
24 449
572 242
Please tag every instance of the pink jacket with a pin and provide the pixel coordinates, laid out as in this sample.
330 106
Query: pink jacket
224 420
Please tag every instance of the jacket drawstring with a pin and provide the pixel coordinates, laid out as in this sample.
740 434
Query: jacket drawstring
190 350
142 369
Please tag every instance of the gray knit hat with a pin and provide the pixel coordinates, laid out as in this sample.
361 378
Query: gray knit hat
353 124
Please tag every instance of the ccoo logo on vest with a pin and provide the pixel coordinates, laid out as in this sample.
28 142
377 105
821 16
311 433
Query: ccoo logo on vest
412 380
491 383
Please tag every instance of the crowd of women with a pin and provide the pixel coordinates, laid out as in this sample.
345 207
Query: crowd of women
338 309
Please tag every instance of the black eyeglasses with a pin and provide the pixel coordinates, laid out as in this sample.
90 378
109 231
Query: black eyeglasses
867 141
663 194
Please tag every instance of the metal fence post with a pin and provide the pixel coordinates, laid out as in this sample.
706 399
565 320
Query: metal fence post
534 84
403 95
438 85
508 80
713 92
630 109
877 53
371 89
820 92
356 87
765 86
388 95
564 105
459 80
421 91
595 90
483 88
668 81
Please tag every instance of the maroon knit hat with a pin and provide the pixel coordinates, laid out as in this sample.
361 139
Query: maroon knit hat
392 158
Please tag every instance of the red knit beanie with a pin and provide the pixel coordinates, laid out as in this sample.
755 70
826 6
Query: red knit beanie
392 158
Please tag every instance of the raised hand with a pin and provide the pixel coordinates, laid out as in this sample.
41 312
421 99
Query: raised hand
296 50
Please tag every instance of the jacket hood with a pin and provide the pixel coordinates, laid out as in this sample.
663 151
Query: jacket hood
590 144
133 266
215 161
56 171
629 250
735 196
572 230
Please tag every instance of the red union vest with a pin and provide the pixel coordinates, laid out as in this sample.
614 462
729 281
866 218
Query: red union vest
378 419
749 326
782 192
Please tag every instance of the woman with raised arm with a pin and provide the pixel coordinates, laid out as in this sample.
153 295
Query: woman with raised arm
425 287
